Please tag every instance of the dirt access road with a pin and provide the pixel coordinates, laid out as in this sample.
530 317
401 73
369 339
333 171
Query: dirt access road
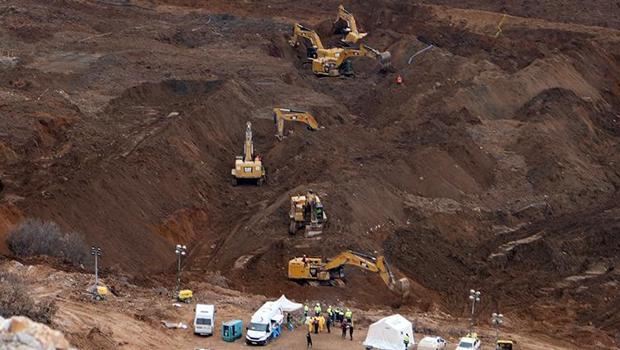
494 166
131 319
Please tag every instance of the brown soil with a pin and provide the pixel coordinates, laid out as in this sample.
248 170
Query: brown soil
494 166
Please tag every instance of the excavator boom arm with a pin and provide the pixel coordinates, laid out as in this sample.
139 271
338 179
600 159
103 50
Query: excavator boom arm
248 146
282 114
352 258
353 34
365 262
364 51
347 16
300 31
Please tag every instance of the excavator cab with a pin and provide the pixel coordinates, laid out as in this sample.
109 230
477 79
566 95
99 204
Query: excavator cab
312 52
318 211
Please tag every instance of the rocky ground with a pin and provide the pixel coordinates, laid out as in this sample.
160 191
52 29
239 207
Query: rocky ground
132 317
494 166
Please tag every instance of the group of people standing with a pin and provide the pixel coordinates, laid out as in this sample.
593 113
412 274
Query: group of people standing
319 322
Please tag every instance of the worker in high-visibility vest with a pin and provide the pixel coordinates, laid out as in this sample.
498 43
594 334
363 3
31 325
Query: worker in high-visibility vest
317 309
306 310
349 316
406 341
330 312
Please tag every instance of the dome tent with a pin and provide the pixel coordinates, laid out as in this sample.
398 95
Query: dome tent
388 333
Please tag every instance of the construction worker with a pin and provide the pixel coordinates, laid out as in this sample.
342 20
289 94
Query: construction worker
317 309
349 316
343 325
340 315
329 323
321 323
406 341
315 323
289 321
351 330
306 310
330 312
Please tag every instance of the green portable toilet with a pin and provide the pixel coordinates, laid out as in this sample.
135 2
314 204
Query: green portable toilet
232 330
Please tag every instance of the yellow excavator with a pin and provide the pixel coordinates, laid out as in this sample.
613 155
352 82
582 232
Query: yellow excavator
341 63
329 270
335 61
282 114
345 24
315 49
505 345
248 167
307 212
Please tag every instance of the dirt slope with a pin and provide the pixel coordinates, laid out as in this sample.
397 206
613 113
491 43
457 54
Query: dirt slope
494 166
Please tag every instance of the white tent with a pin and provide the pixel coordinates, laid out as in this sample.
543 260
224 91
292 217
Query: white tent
389 332
287 305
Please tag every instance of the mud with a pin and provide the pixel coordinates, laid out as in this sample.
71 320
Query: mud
493 166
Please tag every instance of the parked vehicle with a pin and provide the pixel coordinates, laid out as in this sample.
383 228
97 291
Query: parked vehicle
432 343
265 324
204 319
232 330
469 342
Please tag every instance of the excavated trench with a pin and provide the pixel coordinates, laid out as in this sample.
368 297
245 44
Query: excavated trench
454 175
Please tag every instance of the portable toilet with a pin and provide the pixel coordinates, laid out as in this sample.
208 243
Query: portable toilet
232 330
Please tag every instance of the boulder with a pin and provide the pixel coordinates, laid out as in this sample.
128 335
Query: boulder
20 332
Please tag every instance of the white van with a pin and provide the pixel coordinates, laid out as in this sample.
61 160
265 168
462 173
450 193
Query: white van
263 324
204 319
469 343
432 343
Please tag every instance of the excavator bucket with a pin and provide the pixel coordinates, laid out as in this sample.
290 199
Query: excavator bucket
313 230
385 59
404 287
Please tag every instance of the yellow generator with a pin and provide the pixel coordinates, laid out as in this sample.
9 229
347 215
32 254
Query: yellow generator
185 296
505 345
307 212
248 167
100 292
